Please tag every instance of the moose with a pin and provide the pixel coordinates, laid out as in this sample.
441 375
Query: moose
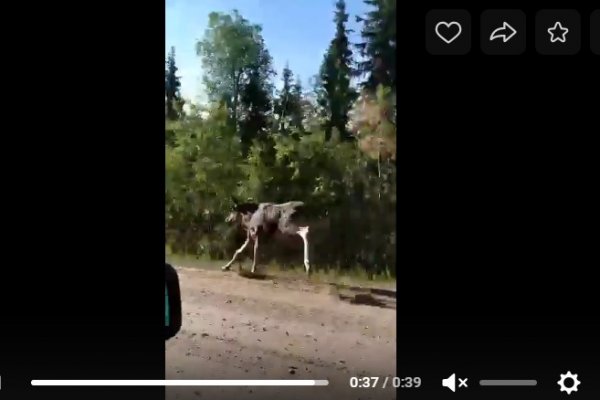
264 221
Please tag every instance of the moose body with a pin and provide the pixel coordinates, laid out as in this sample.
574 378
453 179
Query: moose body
264 221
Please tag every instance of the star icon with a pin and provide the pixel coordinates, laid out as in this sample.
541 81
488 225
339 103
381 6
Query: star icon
558 33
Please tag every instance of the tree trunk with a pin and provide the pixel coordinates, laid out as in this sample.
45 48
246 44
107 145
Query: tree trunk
379 173
236 92
235 102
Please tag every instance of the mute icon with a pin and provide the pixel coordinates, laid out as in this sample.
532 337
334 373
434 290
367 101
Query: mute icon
450 382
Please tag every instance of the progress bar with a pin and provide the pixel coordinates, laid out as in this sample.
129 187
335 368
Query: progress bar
183 382
508 382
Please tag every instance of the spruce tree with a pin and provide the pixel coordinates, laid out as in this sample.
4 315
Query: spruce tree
337 95
378 46
174 103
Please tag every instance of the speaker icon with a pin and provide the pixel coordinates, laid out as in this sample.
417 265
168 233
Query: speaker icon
450 382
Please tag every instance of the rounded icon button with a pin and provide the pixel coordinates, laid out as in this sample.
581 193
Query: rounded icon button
448 32
503 32
568 382
558 32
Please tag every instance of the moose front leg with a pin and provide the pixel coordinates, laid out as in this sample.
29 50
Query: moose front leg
236 254
255 238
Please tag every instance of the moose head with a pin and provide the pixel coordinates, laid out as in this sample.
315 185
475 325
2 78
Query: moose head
240 209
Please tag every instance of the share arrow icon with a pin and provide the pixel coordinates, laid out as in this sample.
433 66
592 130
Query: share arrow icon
505 32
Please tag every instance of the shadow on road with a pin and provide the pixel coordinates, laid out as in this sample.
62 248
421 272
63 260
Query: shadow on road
257 275
376 297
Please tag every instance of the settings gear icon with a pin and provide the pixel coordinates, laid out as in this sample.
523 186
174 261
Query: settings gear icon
568 388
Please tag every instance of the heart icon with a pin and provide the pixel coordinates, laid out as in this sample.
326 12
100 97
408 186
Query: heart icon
448 31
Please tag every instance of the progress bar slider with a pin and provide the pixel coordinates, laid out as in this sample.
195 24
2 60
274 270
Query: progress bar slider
182 382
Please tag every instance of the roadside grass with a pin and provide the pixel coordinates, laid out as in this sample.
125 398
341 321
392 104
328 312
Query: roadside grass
348 277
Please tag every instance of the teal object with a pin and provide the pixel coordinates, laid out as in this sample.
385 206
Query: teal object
166 306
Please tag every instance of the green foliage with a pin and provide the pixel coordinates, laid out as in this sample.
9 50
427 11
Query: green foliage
352 223
292 146
288 106
256 102
233 58
202 171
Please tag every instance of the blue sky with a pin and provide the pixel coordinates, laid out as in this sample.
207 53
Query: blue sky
295 31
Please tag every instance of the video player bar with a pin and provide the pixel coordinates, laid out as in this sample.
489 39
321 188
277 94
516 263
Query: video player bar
182 382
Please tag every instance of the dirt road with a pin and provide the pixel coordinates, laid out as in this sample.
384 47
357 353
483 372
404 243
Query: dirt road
280 328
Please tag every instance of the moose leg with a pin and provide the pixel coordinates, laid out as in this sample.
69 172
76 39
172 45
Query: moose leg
237 253
255 253
303 233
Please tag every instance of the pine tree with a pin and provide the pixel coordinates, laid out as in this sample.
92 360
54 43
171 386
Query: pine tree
174 102
337 95
378 47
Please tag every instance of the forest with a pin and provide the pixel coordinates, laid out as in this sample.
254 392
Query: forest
331 145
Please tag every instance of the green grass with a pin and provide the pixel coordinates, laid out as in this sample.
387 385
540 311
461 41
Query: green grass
355 276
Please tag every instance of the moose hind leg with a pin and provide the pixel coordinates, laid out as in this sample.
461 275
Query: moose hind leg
236 254
303 233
